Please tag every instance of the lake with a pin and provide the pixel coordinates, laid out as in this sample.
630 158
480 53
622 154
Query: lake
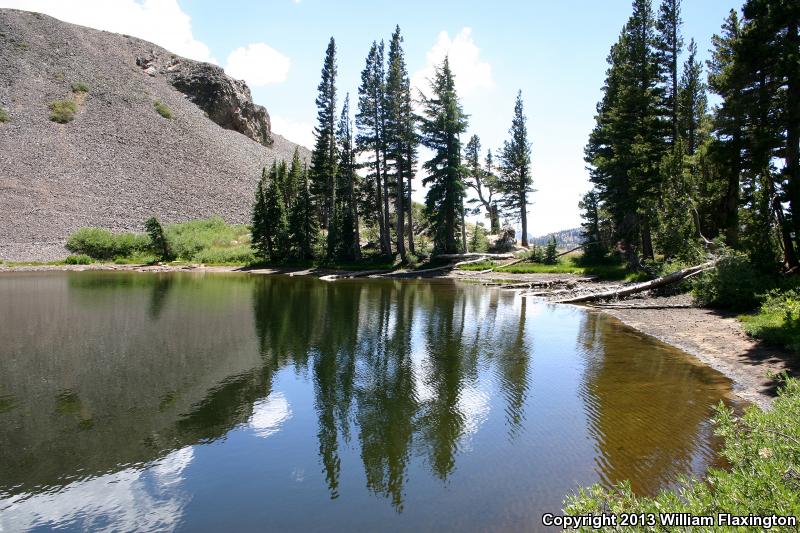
231 402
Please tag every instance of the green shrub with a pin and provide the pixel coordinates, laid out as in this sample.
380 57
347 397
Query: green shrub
62 111
764 476
189 238
101 244
158 241
777 321
80 259
734 284
235 255
162 109
4 116
550 252
80 87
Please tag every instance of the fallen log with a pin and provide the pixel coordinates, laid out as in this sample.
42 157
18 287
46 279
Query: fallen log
641 287
475 254
357 274
417 273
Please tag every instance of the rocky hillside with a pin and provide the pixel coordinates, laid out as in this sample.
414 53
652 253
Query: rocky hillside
118 161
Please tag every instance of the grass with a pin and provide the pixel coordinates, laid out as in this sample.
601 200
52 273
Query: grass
195 240
80 87
162 109
80 259
4 116
777 320
566 265
63 111
764 475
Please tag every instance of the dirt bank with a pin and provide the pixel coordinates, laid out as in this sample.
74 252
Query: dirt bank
715 338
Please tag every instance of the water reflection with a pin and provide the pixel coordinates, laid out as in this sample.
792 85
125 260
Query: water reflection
438 392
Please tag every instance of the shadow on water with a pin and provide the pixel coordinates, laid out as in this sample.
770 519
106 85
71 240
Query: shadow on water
493 403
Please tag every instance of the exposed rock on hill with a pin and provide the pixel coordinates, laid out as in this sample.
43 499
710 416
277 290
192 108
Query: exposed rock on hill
226 101
119 161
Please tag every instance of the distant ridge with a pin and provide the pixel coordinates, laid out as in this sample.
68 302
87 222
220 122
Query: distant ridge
119 161
564 238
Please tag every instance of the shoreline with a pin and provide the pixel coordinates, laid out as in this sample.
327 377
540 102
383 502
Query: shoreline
715 339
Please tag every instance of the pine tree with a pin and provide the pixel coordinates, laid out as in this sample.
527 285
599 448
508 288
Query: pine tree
344 232
483 181
158 240
292 182
258 224
370 121
276 224
669 44
397 112
591 234
515 166
443 122
627 143
323 157
550 252
725 79
303 229
692 101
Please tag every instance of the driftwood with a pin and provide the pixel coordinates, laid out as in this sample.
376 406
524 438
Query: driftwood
584 245
357 274
641 287
417 273
475 254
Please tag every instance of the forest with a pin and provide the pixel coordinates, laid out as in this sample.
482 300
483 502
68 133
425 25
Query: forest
358 186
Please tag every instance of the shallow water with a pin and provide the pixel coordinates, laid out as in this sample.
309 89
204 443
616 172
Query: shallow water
233 402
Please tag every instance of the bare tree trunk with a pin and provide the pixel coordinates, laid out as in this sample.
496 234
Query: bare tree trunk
647 238
523 215
410 204
386 211
356 231
379 190
641 287
792 168
494 218
789 255
400 211
463 229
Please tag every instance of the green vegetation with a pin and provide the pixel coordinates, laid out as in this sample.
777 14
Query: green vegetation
208 241
763 479
63 111
80 87
104 245
189 239
80 259
735 284
4 117
607 270
778 320
162 109
158 241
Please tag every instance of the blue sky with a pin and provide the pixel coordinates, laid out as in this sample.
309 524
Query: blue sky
554 51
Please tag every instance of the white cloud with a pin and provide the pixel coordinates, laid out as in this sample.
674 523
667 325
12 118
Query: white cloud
162 22
296 131
470 72
269 414
133 499
258 64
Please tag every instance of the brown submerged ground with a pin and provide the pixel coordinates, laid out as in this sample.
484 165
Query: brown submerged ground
715 338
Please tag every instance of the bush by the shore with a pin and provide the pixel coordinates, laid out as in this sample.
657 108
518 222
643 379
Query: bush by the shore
103 245
763 449
209 240
777 321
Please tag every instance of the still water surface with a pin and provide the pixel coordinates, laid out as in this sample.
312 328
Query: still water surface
241 403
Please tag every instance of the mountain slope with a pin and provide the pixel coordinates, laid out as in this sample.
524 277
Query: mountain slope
119 161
